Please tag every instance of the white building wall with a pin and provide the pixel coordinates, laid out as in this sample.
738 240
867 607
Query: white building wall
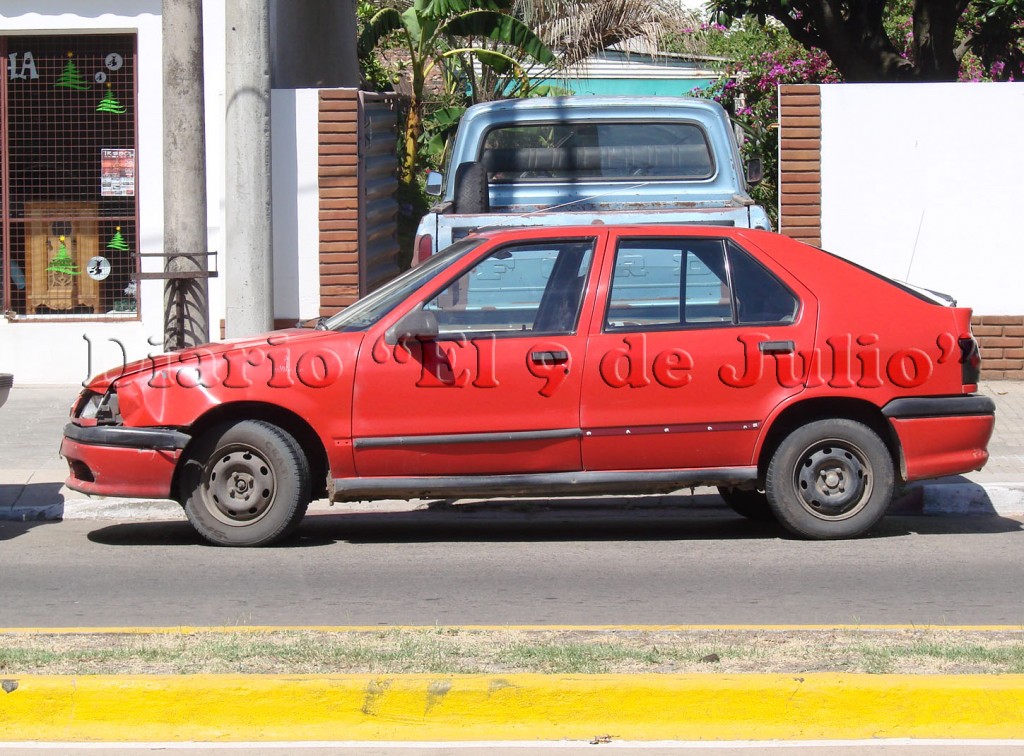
46 352
921 182
294 117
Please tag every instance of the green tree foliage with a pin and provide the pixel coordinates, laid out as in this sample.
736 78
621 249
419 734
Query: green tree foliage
857 35
448 34
760 58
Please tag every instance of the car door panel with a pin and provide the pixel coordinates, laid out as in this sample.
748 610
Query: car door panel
498 390
674 381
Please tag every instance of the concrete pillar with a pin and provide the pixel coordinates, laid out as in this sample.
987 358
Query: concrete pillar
248 260
186 301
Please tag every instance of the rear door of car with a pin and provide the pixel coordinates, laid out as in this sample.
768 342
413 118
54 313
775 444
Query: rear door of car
695 341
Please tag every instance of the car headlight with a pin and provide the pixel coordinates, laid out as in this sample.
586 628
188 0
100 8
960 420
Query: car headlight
102 408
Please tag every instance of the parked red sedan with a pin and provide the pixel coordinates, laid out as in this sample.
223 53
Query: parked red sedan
561 361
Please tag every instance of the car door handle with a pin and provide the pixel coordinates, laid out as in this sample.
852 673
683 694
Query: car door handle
549 358
777 347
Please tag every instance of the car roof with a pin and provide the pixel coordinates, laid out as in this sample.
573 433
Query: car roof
629 229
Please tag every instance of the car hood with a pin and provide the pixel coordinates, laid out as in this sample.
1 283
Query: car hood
153 363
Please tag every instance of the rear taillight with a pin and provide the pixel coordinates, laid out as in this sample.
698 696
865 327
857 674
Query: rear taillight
970 361
424 248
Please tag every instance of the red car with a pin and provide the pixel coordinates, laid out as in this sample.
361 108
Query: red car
561 361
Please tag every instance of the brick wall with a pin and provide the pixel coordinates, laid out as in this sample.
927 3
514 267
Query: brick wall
1001 338
800 162
339 199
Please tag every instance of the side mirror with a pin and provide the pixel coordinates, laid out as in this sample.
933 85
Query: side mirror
435 179
755 170
418 324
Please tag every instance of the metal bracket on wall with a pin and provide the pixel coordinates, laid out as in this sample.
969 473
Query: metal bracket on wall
177 275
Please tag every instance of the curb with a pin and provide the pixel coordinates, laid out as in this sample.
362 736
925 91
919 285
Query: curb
522 707
50 502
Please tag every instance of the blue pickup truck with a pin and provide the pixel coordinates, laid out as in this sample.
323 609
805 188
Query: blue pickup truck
575 160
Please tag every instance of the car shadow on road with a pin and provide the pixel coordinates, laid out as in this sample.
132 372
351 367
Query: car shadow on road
26 506
683 518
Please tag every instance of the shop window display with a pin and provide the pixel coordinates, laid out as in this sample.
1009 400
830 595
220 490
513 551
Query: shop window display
68 203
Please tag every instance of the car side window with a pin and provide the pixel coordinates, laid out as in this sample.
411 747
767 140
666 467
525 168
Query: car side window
760 296
517 289
680 283
666 283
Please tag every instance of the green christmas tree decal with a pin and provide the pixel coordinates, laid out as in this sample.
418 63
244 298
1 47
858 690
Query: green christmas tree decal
70 78
109 104
117 241
62 262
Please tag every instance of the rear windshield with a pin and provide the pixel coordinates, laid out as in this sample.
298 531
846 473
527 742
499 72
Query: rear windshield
596 151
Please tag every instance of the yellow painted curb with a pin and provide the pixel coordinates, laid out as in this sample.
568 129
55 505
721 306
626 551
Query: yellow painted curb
154 708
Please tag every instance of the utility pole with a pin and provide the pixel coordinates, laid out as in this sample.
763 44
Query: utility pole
249 261
186 298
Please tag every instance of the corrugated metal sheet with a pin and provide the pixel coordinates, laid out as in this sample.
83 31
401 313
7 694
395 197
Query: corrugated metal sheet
378 184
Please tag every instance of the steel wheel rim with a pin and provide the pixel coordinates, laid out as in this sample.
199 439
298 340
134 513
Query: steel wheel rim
833 480
239 486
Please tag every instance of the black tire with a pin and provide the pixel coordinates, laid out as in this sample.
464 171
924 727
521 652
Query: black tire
471 190
830 479
246 484
751 503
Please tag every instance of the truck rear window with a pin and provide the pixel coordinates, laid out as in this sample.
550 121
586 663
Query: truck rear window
575 151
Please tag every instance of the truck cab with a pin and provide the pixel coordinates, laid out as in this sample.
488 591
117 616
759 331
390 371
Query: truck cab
570 160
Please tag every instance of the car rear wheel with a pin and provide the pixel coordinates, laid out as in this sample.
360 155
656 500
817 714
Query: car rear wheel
246 484
830 479
751 504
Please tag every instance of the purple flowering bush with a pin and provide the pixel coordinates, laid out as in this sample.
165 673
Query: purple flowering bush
749 91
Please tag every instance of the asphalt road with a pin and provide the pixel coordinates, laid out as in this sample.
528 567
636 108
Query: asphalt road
563 564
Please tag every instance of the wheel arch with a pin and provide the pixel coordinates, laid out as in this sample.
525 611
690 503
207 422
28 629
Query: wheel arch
285 419
821 408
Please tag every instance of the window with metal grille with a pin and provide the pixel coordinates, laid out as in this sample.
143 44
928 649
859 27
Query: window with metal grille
68 164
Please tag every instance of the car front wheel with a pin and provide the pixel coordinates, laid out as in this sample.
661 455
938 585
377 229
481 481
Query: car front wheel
830 479
246 484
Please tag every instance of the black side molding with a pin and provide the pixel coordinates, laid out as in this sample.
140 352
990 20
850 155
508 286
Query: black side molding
577 483
939 406
131 438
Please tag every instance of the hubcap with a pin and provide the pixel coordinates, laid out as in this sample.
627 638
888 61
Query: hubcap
833 480
240 486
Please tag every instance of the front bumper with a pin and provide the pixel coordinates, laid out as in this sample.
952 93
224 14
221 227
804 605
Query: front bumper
117 461
942 436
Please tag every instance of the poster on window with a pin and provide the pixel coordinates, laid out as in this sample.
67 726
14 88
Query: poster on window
117 177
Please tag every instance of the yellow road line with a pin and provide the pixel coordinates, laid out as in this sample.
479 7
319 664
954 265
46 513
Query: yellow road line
244 708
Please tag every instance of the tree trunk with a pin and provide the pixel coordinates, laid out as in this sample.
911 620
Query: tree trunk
411 141
935 40
855 39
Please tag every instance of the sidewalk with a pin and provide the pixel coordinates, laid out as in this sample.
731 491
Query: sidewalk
32 472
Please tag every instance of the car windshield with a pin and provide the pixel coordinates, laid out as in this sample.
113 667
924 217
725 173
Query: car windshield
375 306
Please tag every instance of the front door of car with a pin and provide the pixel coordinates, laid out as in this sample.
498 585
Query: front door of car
694 345
497 391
